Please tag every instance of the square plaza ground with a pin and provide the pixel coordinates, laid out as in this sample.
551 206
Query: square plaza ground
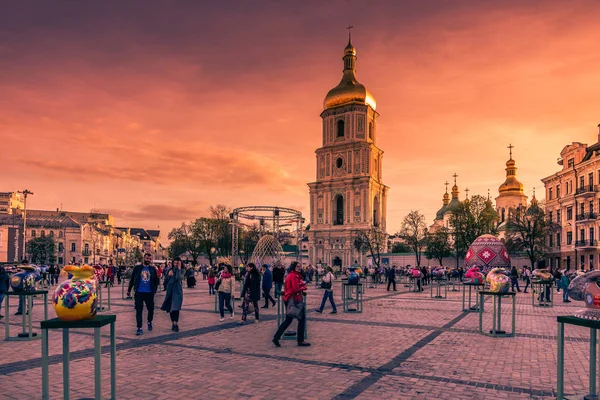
404 345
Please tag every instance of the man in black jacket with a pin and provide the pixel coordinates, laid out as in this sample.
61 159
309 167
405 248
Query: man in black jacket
144 280
391 277
278 275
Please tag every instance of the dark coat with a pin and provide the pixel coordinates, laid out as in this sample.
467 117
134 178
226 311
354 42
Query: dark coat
137 273
278 274
3 281
174 297
267 279
252 284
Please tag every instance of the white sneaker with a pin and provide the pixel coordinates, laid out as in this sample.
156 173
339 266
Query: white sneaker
232 314
221 319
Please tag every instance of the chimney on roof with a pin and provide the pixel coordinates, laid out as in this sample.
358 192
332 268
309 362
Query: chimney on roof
56 209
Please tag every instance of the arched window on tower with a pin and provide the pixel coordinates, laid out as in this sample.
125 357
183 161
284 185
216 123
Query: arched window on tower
503 215
371 130
33 233
375 212
339 210
340 128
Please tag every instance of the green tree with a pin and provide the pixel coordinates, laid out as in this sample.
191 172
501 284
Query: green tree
249 237
400 248
177 248
221 229
42 250
439 245
371 241
188 240
470 219
527 228
414 233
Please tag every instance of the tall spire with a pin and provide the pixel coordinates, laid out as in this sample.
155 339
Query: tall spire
349 90
446 199
511 185
455 187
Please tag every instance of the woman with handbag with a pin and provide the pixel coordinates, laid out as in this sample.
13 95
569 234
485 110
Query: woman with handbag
250 292
294 303
327 284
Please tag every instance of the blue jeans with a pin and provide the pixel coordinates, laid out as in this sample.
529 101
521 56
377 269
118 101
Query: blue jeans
565 295
278 288
1 301
328 294
23 304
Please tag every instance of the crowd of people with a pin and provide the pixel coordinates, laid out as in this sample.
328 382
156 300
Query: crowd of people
146 279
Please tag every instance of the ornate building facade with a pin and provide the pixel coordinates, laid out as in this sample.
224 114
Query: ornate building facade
573 202
348 194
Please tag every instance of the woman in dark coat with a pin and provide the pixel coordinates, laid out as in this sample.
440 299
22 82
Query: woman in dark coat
251 292
191 279
174 297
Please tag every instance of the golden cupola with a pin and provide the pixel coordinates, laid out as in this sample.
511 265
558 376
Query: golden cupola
511 185
349 90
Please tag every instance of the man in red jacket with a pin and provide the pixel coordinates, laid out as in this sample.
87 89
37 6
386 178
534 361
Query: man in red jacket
294 288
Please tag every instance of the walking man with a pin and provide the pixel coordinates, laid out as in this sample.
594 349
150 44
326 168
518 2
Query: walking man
514 277
144 280
278 275
267 284
391 277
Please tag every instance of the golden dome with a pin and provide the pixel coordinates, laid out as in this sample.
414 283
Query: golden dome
446 199
511 185
349 90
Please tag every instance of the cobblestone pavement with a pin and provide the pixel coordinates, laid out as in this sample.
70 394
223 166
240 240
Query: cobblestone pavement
404 345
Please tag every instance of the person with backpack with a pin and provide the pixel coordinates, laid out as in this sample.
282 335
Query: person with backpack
224 286
327 284
563 284
211 281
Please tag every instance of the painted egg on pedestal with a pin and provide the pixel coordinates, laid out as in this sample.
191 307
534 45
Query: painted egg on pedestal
474 276
487 252
498 280
25 279
75 298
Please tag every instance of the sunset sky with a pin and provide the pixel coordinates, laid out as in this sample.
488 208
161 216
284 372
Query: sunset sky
154 110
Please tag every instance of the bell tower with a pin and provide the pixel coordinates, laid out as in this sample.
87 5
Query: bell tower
348 193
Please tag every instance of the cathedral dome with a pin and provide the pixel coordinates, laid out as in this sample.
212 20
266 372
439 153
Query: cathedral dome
349 90
511 185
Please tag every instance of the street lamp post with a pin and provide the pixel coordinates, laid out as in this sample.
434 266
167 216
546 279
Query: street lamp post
25 193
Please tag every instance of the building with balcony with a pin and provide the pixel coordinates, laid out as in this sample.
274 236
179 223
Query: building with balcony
573 202
10 202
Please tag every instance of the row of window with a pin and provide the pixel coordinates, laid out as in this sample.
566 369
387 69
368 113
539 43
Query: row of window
556 262
43 233
569 237
555 191
583 213
340 129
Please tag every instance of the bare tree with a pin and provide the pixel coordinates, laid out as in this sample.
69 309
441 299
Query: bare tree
527 229
371 241
414 233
